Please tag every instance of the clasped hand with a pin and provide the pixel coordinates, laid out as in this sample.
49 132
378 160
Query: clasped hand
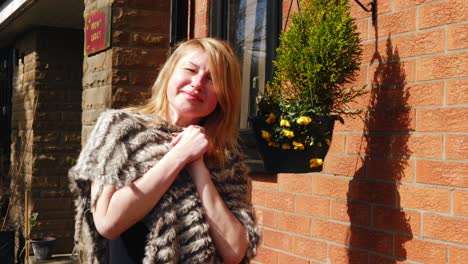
192 143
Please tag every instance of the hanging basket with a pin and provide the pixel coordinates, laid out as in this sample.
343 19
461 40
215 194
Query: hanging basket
277 160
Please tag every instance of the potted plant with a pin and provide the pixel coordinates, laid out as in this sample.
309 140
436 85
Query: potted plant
318 55
42 246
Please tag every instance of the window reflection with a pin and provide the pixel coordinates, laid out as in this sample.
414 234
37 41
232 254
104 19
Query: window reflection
247 33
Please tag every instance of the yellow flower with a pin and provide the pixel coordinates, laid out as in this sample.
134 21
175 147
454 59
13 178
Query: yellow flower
315 162
298 145
271 118
284 123
288 133
285 146
266 135
273 144
304 120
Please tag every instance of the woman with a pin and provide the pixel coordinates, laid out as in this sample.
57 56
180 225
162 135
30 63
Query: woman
164 182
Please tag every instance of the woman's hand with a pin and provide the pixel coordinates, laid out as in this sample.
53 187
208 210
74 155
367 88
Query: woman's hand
192 143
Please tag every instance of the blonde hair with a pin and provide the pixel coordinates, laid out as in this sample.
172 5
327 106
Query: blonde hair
222 124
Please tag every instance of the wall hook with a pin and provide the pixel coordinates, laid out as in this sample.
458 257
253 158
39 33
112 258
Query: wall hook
373 9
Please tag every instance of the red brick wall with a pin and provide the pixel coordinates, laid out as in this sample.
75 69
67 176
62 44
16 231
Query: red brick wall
395 183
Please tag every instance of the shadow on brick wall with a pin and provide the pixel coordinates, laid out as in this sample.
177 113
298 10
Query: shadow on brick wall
379 227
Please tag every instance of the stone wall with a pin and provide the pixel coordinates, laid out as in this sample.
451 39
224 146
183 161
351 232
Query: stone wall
123 75
23 99
46 125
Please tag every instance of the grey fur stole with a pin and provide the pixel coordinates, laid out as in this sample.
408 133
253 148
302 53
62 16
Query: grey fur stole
122 148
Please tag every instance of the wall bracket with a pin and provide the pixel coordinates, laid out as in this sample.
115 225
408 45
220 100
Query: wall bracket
373 9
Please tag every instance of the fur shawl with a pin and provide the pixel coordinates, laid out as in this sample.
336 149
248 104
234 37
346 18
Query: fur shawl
122 148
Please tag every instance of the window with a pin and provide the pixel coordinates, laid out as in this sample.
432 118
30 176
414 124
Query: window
252 28
179 24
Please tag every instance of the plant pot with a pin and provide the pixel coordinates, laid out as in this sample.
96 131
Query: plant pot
7 246
277 160
43 247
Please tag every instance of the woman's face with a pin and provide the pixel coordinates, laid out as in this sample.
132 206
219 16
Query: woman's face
190 92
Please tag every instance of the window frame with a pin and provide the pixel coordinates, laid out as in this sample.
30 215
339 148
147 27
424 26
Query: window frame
218 29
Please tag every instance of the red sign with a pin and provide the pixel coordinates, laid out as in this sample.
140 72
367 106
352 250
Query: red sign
97 31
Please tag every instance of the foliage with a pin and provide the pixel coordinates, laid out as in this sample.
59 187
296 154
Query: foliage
318 54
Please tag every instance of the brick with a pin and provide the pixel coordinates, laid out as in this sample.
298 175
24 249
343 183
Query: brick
330 186
142 78
373 192
337 144
310 248
425 94
460 203
386 97
342 255
330 231
362 102
140 20
397 220
418 44
120 38
372 240
280 201
442 67
390 169
342 165
425 198
442 120
295 183
356 11
351 124
457 254
266 217
137 58
369 51
456 147
442 13
363 29
266 255
294 223
442 173
397 22
98 62
445 228
417 145
384 259
96 98
284 258
457 37
278 240
394 72
352 212
403 120
368 144
120 77
457 92
264 181
404 4
359 81
313 206
53 204
259 197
